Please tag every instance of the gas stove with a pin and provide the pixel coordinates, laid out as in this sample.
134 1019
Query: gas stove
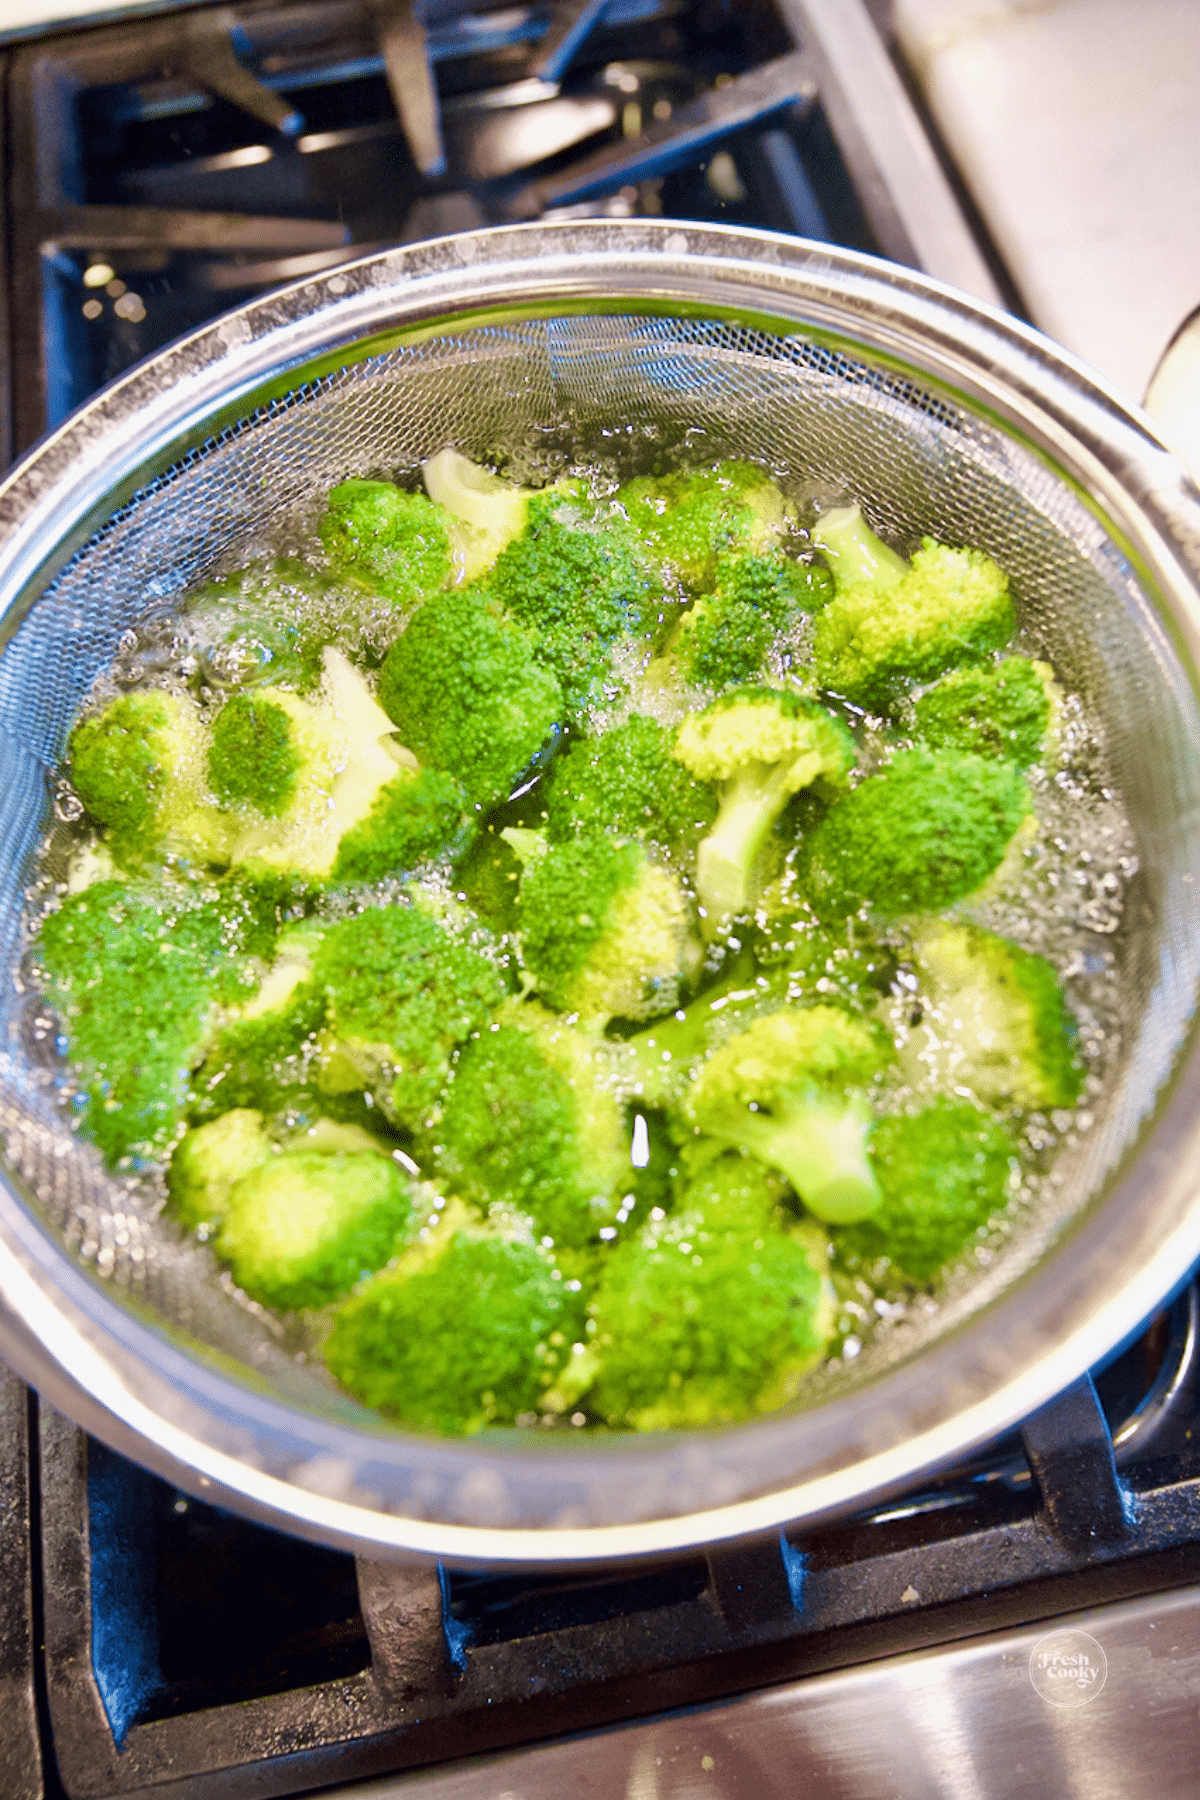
1009 1628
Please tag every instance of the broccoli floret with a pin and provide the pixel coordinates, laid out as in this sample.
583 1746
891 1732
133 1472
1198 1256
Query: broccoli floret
691 518
992 1019
579 583
401 992
487 877
458 1334
888 627
491 512
657 1062
261 1053
136 973
303 1227
1005 711
713 1315
762 745
393 541
414 817
341 748
253 756
627 783
606 933
273 762
925 831
781 1091
756 605
138 767
208 1161
469 696
531 1120
943 1173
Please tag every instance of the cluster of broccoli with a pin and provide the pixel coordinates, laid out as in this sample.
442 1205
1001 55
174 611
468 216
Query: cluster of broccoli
563 1001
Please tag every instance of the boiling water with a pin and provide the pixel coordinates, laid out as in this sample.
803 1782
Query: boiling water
1065 899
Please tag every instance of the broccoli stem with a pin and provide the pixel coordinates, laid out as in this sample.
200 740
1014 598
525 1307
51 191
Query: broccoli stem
820 1144
727 860
669 1047
857 557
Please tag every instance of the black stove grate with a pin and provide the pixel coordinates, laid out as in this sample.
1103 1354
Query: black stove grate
164 171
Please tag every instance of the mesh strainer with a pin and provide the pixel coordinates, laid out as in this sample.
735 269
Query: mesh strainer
637 340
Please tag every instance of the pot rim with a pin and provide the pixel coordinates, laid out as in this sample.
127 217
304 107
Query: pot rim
120 1376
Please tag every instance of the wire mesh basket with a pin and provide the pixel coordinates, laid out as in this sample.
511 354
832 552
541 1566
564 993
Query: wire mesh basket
527 346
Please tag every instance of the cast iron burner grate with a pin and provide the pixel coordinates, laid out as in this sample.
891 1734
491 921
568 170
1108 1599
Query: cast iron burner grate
166 169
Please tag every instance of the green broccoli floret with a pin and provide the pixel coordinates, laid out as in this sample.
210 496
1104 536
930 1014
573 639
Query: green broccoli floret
531 1120
469 696
578 582
925 831
943 1173
713 1315
261 1053
657 1062
458 1335
1005 711
756 605
992 1019
488 876
393 541
762 745
252 755
138 767
401 992
207 1164
273 763
491 511
302 1227
782 1091
692 518
336 778
136 973
208 1161
890 626
627 783
414 817
606 933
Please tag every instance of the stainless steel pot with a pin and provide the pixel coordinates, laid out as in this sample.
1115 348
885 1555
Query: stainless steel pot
858 378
